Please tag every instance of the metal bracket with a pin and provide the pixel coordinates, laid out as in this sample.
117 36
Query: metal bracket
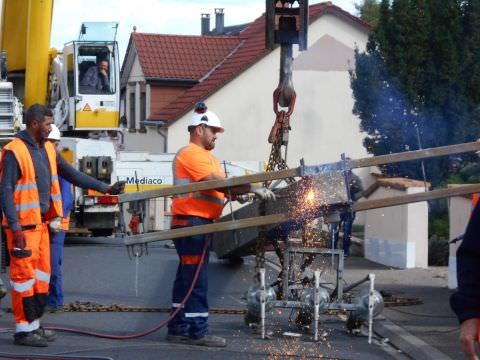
311 170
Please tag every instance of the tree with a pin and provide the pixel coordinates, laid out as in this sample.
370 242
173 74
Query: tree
369 11
412 86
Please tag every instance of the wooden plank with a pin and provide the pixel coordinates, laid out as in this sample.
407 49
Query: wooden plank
205 229
295 172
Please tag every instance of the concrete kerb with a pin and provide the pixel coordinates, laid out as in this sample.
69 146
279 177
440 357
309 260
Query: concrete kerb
398 336
408 343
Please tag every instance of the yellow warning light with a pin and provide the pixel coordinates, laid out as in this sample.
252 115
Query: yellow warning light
87 108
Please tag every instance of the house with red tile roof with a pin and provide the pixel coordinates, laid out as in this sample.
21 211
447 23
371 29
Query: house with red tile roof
163 76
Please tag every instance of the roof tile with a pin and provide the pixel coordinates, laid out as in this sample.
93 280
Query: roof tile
181 57
231 55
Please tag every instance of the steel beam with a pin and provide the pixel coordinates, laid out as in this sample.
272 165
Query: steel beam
283 217
418 197
205 229
301 171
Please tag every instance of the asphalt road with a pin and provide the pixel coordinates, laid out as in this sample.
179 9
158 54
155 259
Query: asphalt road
106 275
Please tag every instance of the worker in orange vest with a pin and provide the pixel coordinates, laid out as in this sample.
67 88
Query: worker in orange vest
474 200
194 163
55 292
30 199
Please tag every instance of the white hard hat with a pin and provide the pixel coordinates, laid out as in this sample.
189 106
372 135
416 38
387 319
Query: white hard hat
54 133
208 118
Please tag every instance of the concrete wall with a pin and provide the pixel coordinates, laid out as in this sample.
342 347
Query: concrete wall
459 208
397 236
322 124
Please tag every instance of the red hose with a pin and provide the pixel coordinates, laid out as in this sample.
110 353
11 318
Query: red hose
146 332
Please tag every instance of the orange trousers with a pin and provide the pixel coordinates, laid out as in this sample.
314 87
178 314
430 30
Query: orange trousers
29 278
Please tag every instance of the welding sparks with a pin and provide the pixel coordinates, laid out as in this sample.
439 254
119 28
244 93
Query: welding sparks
310 198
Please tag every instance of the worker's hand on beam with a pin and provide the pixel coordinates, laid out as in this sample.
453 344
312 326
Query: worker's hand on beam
242 199
469 338
262 192
117 188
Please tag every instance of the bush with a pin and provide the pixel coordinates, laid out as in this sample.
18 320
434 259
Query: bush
437 251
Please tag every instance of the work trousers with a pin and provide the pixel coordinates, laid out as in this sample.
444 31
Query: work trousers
55 293
347 220
29 278
192 319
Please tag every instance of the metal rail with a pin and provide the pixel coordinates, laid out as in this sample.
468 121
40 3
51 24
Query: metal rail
302 171
205 229
279 218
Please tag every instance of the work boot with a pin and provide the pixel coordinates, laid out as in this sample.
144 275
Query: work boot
29 339
179 339
48 335
207 340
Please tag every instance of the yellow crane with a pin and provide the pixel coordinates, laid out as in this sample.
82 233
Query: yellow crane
42 75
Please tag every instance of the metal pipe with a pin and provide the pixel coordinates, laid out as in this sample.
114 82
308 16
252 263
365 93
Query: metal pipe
302 171
316 299
280 218
262 301
424 175
370 306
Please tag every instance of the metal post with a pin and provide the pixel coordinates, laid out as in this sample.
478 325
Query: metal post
262 301
286 267
340 268
316 300
370 307
422 162
333 230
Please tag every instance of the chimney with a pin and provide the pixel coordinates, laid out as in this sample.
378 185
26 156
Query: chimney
205 24
219 21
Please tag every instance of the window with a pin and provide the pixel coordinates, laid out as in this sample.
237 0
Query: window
70 78
131 118
143 111
96 70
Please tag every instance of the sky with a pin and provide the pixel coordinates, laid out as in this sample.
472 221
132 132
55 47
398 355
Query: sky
153 16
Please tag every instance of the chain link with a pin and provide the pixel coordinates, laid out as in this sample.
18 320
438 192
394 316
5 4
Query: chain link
278 137
79 306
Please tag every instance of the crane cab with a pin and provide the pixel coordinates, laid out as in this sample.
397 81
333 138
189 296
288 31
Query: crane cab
90 97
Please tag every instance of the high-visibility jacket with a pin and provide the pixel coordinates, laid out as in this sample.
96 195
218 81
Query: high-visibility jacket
191 164
474 200
25 195
65 223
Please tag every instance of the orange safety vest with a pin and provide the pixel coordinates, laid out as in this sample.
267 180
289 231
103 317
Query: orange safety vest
65 223
474 200
25 195
207 204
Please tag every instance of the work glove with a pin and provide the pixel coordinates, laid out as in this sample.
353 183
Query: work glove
19 244
55 224
242 199
262 192
117 188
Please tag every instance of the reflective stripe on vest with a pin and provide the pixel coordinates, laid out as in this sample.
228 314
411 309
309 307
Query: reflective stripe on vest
25 195
474 200
200 203
65 223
